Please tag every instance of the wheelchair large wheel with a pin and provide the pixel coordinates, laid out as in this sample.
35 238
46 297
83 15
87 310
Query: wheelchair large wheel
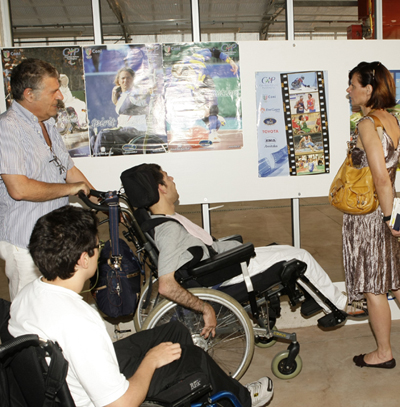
233 345
141 313
278 366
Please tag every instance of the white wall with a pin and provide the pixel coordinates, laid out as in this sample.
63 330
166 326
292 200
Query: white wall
223 176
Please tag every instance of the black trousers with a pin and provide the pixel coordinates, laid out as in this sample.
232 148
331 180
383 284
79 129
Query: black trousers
132 349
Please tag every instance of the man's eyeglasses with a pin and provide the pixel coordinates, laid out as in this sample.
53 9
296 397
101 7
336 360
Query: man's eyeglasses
57 162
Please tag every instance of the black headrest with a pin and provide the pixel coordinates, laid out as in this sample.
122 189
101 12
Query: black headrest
140 186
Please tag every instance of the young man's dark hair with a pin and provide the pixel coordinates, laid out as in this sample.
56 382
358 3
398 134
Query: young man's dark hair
155 170
141 184
29 74
59 238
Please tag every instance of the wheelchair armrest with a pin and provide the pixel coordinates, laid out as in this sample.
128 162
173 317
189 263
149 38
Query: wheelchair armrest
223 260
237 238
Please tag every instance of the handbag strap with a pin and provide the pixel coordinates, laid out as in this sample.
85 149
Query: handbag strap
379 129
377 120
378 125
112 201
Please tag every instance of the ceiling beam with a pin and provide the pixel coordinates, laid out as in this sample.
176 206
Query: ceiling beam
116 9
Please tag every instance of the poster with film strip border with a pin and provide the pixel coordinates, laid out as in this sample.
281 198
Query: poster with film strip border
305 111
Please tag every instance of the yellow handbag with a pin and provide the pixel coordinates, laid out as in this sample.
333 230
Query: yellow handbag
353 190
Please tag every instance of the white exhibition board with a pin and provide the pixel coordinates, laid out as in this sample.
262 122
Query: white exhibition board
228 176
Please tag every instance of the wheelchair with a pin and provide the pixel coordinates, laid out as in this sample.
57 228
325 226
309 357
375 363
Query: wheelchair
30 382
245 317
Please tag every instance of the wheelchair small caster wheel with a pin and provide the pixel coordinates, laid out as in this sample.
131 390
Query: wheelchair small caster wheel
262 342
278 366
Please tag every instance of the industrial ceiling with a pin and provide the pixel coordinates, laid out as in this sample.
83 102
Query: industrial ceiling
123 19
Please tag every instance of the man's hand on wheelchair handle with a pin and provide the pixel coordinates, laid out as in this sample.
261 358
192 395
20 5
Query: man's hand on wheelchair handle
210 321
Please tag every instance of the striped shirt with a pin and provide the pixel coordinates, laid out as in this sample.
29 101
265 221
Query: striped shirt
24 151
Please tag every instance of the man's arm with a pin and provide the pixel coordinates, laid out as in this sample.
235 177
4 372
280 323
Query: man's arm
74 176
22 188
170 288
139 383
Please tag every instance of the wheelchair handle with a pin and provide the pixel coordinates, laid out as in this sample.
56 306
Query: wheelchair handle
98 194
18 343
92 205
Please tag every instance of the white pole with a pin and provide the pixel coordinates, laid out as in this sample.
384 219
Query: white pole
296 222
196 35
6 31
6 41
205 214
289 20
295 202
378 20
97 28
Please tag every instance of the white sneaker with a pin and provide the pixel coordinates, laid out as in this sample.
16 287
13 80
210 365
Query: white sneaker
261 391
213 136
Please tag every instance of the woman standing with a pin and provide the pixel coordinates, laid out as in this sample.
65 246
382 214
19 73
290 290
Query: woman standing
371 250
132 106
131 102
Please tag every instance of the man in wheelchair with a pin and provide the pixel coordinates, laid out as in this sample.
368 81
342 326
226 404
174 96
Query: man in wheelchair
65 247
174 239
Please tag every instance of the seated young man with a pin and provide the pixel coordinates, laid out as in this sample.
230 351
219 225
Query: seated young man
173 240
64 246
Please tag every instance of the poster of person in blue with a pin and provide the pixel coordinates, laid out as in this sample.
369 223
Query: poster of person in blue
126 110
202 96
71 120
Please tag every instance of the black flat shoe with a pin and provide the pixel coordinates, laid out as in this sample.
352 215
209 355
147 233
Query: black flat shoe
359 361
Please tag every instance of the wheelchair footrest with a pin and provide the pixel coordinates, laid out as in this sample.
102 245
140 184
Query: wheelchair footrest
310 307
332 319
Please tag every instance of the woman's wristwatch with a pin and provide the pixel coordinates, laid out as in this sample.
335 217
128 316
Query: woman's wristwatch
385 218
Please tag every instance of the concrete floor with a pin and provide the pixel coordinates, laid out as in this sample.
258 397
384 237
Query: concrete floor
329 377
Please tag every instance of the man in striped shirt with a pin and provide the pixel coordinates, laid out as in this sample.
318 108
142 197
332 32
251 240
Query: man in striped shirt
37 173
